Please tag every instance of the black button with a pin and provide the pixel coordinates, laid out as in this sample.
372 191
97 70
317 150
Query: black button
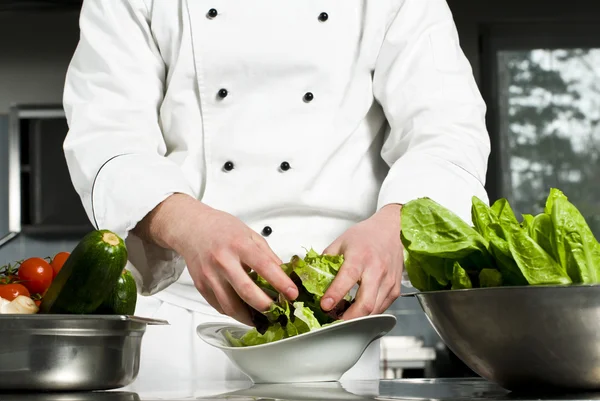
223 93
323 17
267 231
308 96
212 13
284 166
228 166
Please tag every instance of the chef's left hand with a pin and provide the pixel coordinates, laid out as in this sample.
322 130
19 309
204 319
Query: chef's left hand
373 258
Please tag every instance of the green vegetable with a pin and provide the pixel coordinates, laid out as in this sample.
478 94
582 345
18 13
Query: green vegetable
537 266
88 275
316 272
123 297
443 252
459 277
419 278
490 278
527 221
253 337
313 275
505 214
541 230
577 249
432 230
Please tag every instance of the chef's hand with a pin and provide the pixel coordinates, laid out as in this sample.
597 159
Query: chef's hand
373 258
219 250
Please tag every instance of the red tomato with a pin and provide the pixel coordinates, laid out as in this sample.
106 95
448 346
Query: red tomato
36 274
11 291
58 261
38 302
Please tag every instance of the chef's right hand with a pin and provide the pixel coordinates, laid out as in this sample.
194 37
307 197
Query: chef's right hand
219 250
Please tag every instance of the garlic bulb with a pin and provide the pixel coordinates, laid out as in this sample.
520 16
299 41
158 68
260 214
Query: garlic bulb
3 302
20 305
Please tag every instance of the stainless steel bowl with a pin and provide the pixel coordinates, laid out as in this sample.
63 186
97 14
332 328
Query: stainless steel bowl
522 337
69 352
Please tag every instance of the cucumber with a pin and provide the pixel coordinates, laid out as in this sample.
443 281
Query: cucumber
122 299
88 276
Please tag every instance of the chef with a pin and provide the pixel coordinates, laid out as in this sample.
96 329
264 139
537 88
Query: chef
222 136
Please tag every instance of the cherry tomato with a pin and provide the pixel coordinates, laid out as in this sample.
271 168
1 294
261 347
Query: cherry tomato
58 261
36 274
11 291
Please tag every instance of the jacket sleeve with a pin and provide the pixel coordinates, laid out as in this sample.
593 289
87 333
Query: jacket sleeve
437 145
114 149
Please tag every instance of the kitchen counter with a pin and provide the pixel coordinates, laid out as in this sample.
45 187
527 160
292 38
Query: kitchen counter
402 389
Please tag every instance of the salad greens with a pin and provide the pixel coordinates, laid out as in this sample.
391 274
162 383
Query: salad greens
555 247
312 275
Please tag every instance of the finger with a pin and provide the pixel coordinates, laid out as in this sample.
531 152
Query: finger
394 282
389 290
231 302
260 261
263 245
203 288
388 302
333 249
394 292
210 297
383 296
343 282
244 287
366 297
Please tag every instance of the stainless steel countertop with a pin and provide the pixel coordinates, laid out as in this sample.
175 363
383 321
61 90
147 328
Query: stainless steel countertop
416 389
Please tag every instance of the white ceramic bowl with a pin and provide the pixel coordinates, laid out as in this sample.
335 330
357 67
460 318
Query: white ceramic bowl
321 355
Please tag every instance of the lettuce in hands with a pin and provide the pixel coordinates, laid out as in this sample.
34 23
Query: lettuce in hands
312 275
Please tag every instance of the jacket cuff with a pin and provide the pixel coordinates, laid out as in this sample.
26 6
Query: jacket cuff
125 190
421 175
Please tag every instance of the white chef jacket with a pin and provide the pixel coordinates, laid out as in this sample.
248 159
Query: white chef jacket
301 116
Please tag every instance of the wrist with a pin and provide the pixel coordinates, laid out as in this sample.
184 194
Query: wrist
167 223
389 214
392 209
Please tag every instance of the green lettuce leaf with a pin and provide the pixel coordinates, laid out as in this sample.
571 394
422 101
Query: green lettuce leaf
504 212
430 229
541 230
537 266
577 249
552 196
488 221
527 220
253 337
316 272
435 268
490 278
459 277
304 318
418 277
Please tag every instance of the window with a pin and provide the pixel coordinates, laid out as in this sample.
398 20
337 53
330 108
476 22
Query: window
547 123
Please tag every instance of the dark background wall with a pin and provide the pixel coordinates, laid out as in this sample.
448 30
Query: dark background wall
35 50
